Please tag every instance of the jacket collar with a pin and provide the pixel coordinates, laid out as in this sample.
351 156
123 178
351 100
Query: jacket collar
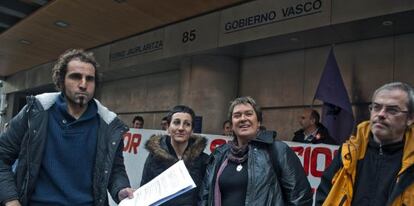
386 149
48 99
265 136
360 141
158 147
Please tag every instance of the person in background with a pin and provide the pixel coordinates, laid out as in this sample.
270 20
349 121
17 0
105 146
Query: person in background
138 122
253 169
179 144
164 123
68 144
227 130
376 167
312 130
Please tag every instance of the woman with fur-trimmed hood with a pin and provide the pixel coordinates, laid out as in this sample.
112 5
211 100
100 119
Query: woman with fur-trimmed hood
179 144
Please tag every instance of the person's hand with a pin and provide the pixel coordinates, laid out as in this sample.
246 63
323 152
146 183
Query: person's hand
126 192
13 203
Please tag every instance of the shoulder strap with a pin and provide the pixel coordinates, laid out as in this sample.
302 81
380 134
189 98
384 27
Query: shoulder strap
274 159
269 137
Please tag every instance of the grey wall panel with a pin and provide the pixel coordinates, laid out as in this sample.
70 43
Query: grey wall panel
284 121
36 77
404 59
148 93
274 80
350 10
102 55
315 61
39 76
208 84
370 64
15 83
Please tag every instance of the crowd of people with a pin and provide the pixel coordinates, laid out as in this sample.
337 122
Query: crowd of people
69 151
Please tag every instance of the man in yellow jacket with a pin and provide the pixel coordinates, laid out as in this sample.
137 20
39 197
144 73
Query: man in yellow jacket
376 166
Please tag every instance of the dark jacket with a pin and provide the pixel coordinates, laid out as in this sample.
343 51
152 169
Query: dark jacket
339 183
25 140
161 157
322 136
289 187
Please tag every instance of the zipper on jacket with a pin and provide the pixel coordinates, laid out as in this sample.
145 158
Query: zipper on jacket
380 149
25 185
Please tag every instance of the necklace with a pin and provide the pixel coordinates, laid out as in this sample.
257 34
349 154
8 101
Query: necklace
239 168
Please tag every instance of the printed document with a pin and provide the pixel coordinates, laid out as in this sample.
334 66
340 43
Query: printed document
169 184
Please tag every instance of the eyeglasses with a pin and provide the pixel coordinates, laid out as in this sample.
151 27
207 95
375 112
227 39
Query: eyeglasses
390 110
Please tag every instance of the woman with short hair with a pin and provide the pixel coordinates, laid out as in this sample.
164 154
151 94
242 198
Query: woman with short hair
253 169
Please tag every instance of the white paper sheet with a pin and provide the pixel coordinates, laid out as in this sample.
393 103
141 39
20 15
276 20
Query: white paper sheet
169 184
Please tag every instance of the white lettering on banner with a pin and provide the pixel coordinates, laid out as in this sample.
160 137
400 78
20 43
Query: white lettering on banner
314 158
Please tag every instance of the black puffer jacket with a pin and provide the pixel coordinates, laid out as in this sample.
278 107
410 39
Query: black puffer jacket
25 140
291 187
161 157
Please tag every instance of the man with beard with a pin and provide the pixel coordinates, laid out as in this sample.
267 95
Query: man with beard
68 144
376 166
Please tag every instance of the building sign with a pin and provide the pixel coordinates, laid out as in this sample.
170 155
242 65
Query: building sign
137 50
262 19
192 35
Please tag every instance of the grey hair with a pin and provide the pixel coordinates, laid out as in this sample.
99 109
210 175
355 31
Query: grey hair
399 86
245 100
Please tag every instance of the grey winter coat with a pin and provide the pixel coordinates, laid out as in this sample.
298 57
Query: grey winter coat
264 188
25 140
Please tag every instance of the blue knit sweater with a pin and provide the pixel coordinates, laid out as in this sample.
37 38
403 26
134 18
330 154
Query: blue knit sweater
66 173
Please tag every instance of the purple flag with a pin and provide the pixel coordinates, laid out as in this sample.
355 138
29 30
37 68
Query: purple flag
337 114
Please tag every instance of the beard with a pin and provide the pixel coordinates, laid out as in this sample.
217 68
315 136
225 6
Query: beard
74 99
81 101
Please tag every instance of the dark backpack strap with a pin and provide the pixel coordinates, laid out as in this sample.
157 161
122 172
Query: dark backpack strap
275 163
271 135
274 159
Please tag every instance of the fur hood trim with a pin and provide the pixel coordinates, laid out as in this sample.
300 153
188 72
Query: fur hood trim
157 146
